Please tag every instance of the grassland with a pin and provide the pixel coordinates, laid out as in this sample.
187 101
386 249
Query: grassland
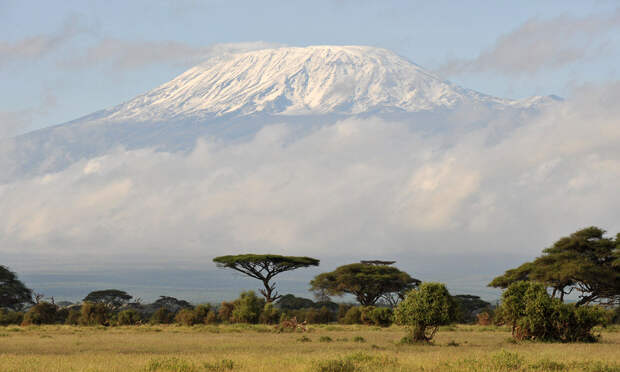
323 348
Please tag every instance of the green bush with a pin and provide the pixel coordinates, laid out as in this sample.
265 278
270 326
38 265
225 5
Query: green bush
225 311
534 315
342 312
129 317
379 316
73 317
425 309
186 317
247 308
94 314
162 316
269 315
41 313
353 316
201 311
8 317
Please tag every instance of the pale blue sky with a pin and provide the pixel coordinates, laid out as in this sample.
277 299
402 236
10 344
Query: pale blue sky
62 60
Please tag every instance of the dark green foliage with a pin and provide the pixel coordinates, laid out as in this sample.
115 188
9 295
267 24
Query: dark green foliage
162 316
585 262
13 293
247 308
379 316
94 314
112 298
269 315
202 311
425 309
61 315
353 316
469 306
171 303
129 317
342 311
73 317
265 267
186 317
8 317
368 283
41 313
290 302
534 315
225 311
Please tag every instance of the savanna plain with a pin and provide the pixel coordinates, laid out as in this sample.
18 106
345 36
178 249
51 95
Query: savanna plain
330 348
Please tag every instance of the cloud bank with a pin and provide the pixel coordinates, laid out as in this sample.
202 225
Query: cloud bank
542 44
353 190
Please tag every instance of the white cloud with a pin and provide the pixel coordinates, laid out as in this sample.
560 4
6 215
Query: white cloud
538 44
356 189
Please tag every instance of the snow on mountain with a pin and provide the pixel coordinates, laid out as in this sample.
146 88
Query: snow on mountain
300 81
232 97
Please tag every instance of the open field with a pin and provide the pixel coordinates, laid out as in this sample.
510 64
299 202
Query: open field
258 348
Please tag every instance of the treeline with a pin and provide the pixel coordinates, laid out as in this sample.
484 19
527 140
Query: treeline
113 308
533 303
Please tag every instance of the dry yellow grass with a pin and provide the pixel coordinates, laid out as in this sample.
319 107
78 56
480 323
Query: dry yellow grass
257 348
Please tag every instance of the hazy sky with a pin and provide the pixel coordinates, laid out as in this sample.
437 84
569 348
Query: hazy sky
62 60
456 208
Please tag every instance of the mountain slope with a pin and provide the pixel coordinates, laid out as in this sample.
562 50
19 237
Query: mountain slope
299 81
233 97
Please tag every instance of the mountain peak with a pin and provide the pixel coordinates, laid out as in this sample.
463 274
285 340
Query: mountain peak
298 81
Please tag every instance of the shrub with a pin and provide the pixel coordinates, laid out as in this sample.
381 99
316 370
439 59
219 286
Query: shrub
201 311
325 339
269 315
484 318
536 316
304 338
353 316
94 314
359 339
73 317
211 317
8 317
342 312
41 313
186 317
247 308
129 317
382 316
225 311
425 309
365 312
162 316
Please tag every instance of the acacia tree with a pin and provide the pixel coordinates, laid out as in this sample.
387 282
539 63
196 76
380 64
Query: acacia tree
367 282
13 293
265 267
586 262
112 298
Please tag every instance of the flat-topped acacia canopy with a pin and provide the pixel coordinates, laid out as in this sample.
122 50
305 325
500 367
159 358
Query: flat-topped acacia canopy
264 267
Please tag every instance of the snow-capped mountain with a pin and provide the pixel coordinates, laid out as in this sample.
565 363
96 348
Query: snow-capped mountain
235 96
301 81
